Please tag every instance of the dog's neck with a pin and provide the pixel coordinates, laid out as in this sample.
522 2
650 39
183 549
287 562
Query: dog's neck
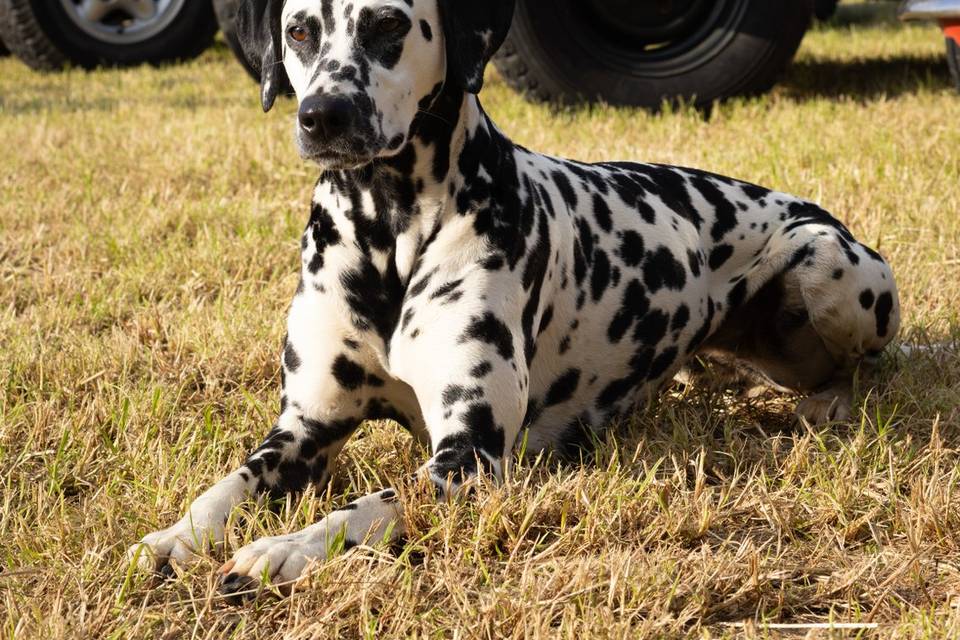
450 166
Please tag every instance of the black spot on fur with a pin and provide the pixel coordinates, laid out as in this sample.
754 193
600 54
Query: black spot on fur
663 270
448 290
601 212
482 369
634 305
662 363
600 278
324 232
882 312
681 318
651 328
533 275
374 298
290 357
348 373
454 393
725 212
631 248
545 319
491 330
866 298
563 387
456 454
566 190
719 256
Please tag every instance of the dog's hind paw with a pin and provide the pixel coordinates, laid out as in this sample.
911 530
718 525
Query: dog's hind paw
832 405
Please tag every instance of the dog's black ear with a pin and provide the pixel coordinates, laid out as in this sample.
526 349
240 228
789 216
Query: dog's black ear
474 30
258 30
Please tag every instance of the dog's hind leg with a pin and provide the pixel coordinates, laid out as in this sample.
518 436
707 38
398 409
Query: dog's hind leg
832 307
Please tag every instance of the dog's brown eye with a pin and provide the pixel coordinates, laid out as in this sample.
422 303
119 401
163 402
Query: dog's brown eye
388 25
298 33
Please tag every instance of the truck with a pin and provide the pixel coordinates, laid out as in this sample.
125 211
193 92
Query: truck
641 53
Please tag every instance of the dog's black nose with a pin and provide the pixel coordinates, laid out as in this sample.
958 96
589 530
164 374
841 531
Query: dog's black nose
326 117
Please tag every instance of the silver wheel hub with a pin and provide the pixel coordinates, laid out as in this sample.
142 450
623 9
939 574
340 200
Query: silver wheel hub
122 21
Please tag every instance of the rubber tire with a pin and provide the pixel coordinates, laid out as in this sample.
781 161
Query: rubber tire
824 9
953 60
42 36
550 67
226 11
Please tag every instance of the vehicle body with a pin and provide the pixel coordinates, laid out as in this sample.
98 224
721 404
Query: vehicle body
947 14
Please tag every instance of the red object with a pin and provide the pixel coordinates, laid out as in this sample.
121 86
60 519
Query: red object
951 29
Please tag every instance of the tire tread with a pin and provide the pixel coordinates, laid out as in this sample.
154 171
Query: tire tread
21 32
537 81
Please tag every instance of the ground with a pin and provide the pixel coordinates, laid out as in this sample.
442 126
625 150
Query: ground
149 224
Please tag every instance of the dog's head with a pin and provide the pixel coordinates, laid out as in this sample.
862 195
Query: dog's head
361 68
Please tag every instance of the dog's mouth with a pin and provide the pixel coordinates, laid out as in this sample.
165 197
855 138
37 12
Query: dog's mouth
335 160
343 152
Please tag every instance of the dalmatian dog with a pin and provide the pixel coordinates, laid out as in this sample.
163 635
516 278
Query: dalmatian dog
482 295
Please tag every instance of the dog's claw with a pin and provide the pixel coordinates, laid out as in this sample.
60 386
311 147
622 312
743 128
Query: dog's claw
239 589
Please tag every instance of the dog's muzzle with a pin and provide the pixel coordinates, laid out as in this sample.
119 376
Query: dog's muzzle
330 131
324 120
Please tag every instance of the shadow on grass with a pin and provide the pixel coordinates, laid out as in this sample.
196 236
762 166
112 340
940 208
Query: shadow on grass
864 14
865 79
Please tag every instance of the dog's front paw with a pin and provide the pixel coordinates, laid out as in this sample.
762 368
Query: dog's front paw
281 560
179 543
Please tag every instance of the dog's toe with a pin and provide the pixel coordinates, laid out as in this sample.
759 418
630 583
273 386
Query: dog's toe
829 406
178 545
167 572
239 589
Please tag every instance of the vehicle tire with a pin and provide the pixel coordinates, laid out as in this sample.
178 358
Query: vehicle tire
226 11
51 34
824 9
625 53
953 59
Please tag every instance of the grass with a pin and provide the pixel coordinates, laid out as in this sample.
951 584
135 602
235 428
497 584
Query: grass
149 221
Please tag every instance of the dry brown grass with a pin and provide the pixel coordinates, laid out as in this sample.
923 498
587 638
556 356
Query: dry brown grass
148 247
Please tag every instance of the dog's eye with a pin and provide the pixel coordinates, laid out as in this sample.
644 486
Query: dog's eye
388 25
297 33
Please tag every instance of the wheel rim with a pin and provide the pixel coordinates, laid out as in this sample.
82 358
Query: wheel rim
122 22
652 38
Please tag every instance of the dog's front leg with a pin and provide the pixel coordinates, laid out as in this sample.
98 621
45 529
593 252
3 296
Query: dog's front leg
327 391
468 368
469 373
